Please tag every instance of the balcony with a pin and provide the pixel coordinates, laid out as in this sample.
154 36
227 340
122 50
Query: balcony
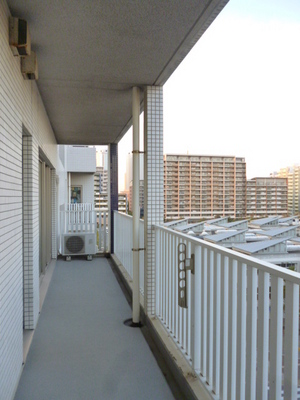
211 339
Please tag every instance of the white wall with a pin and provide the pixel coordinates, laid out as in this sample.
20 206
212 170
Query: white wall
87 183
81 159
20 104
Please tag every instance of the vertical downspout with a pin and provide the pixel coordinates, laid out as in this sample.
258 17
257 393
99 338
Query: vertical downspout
69 195
135 201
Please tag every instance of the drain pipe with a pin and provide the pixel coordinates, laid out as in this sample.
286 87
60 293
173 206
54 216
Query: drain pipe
69 188
135 205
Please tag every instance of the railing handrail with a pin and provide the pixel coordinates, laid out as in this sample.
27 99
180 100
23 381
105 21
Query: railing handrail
265 266
126 215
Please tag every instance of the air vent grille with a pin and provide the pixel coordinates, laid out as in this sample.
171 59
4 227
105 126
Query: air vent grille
75 244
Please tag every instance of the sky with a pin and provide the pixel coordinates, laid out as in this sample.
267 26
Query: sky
237 92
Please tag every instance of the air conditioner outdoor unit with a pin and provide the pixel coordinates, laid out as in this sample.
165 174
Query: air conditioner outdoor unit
19 37
78 244
29 67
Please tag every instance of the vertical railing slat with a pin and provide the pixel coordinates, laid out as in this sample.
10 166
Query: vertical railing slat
276 338
167 277
190 309
291 330
210 316
263 335
224 328
172 291
217 322
197 311
204 313
176 292
232 327
251 333
157 263
241 331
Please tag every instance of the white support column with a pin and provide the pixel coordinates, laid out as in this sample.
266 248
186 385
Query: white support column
153 186
135 204
54 214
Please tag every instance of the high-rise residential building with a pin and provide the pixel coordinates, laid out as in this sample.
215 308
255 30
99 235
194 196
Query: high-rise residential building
198 186
100 184
293 176
267 197
122 202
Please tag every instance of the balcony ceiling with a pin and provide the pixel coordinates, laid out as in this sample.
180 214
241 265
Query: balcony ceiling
91 53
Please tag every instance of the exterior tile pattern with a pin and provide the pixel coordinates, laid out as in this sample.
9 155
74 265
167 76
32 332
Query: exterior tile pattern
154 184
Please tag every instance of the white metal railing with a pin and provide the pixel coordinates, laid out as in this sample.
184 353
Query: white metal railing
123 239
78 217
83 217
103 227
240 329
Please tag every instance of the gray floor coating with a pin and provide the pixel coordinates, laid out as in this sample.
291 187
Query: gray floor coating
81 349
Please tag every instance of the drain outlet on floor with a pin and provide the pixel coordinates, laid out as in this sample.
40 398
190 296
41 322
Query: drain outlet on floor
131 324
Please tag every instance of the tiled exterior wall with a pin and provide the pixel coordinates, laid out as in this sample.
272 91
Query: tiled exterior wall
20 105
154 184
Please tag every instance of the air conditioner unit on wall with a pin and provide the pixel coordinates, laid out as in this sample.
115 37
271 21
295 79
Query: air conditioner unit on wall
29 67
78 244
19 37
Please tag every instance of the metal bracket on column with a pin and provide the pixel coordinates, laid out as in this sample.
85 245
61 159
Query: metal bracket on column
184 264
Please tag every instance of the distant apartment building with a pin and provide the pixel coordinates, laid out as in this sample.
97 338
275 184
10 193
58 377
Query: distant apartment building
101 192
267 197
122 202
100 184
197 186
293 176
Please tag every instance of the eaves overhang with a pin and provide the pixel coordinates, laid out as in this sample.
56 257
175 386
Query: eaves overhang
90 55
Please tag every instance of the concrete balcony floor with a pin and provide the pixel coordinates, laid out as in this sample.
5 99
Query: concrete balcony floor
81 349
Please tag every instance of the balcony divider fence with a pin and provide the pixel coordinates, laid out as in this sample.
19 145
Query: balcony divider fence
103 226
83 218
240 329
